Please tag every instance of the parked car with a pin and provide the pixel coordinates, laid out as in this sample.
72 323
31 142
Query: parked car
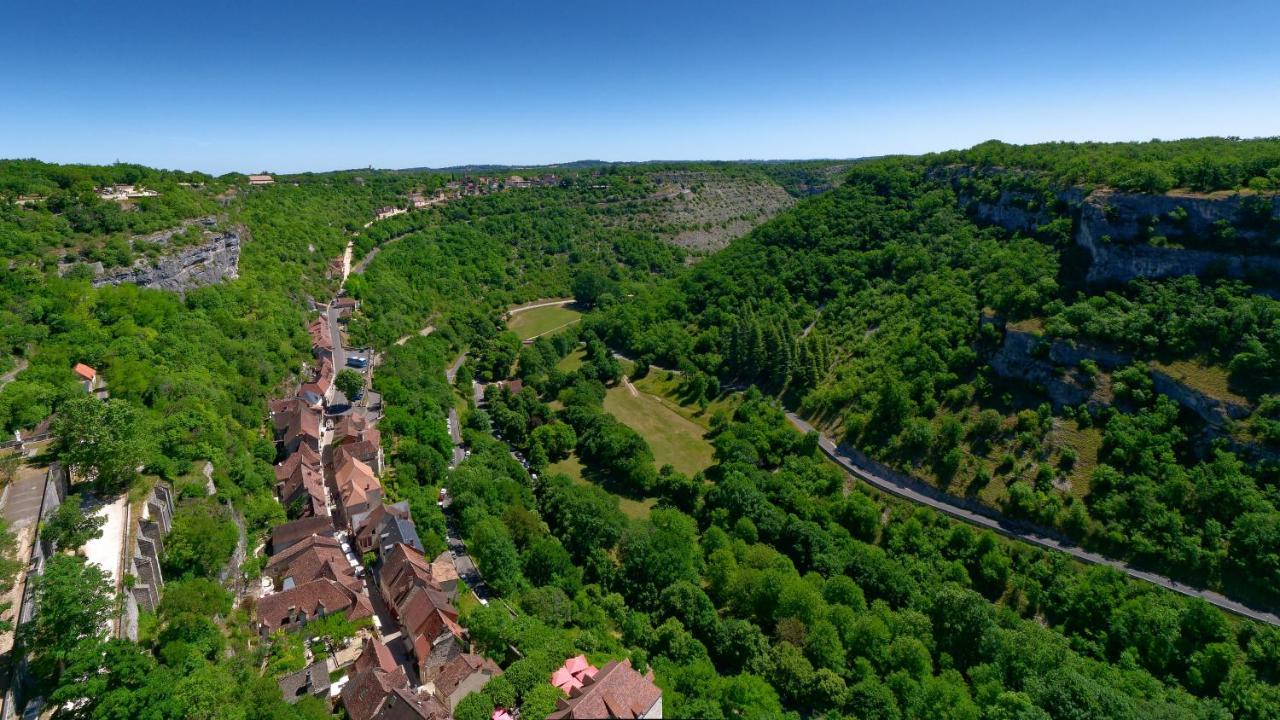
356 361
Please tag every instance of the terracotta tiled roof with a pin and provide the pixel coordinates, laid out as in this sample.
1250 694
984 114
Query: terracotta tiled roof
366 692
616 691
375 655
426 611
290 533
304 455
85 372
404 568
275 610
321 337
365 451
305 482
316 557
459 669
356 482
298 421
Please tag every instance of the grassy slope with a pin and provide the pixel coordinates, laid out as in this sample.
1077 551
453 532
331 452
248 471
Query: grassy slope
537 321
675 440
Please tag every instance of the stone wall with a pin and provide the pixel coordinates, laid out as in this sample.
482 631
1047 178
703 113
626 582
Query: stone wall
148 549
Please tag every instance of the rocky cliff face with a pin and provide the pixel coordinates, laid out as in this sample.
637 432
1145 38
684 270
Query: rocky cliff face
1216 413
212 261
1114 228
1118 229
1028 357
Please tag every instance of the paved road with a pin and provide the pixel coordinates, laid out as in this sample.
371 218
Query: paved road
18 367
548 303
918 492
339 355
22 501
451 372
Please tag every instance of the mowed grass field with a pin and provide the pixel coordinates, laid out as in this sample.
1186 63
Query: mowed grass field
535 322
675 439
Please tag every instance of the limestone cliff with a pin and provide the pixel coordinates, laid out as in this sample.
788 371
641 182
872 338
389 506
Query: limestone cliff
1138 235
214 260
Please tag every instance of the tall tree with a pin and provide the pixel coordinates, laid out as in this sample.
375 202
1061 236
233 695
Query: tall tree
99 441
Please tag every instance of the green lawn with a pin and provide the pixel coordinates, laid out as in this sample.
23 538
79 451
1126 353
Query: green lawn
664 385
632 508
537 321
573 360
676 440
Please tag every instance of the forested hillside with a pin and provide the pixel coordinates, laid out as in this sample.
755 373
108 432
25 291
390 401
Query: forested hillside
1138 417
938 313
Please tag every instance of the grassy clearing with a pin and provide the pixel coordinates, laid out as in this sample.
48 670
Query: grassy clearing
664 385
1086 442
1031 325
466 601
537 321
1211 380
632 508
675 439
573 360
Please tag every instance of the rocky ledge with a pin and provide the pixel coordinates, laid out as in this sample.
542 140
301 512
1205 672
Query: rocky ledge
212 261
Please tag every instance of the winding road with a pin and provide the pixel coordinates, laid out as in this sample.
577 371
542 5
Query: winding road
897 484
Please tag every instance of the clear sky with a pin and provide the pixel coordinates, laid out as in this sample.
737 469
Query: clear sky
223 85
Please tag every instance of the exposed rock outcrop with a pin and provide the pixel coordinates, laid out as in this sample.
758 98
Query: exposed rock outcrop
1234 235
1114 228
1215 412
214 260
1027 357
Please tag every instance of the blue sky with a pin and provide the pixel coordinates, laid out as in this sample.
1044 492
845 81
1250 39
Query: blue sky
318 85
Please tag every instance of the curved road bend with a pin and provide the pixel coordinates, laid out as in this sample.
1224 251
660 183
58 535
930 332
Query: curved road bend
548 303
920 493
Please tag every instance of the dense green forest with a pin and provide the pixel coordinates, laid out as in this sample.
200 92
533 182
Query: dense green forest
768 584
1203 164
895 278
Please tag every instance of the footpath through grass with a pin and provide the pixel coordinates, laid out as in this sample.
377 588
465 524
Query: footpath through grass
675 439
538 321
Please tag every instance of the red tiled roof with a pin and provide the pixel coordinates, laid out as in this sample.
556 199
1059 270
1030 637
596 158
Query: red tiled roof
355 481
375 655
426 611
304 480
310 598
85 372
298 421
365 451
367 691
290 533
317 557
616 691
303 456
459 669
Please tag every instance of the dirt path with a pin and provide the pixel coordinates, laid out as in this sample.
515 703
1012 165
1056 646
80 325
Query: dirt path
557 328
422 333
